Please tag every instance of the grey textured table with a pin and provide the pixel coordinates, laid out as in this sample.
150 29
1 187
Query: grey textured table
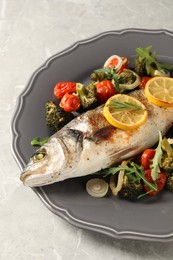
30 32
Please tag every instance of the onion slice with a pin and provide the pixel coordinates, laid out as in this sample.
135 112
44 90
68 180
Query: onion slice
163 73
115 188
97 187
130 86
170 140
108 61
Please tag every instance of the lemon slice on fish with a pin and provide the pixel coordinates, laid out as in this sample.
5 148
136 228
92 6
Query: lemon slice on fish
159 90
125 112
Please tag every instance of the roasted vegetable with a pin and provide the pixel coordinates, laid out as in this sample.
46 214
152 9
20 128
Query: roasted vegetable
116 182
130 190
159 183
127 77
62 88
70 102
117 62
146 64
124 80
169 182
132 185
140 66
87 95
56 117
104 74
167 163
144 81
167 157
146 158
97 187
105 89
128 80
100 74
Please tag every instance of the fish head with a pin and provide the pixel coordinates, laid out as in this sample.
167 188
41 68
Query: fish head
45 165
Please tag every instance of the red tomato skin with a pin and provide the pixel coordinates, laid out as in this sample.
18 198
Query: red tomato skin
105 89
160 182
70 102
144 81
114 63
146 157
62 88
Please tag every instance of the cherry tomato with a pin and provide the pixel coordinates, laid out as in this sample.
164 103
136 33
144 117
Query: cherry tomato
146 157
69 102
105 89
64 87
160 182
144 81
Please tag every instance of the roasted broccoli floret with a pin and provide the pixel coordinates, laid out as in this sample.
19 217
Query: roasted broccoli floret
146 64
167 163
56 117
140 66
169 182
130 190
99 75
127 77
167 157
103 73
87 95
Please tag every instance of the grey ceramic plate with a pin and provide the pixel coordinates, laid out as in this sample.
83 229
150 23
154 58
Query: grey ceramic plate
149 219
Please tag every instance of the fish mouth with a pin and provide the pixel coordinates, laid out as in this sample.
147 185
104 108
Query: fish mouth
31 178
27 174
35 180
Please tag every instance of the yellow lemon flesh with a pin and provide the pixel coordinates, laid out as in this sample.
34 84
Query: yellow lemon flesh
159 90
127 117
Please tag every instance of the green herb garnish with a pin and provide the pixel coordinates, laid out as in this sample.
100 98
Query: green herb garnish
155 169
134 172
36 142
125 105
107 73
150 60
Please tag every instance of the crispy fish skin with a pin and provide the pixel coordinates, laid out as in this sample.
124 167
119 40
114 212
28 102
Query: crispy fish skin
89 143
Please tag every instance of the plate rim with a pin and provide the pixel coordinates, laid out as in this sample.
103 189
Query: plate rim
60 211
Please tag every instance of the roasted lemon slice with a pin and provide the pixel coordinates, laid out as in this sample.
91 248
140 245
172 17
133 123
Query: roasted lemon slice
159 90
125 112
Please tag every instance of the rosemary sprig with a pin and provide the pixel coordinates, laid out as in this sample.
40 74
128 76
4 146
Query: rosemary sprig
125 105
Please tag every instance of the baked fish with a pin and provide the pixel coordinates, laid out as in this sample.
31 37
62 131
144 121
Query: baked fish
89 143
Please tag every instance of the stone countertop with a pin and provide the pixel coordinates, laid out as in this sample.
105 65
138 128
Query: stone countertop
30 32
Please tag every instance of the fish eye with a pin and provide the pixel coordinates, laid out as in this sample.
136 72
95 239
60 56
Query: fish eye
39 155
